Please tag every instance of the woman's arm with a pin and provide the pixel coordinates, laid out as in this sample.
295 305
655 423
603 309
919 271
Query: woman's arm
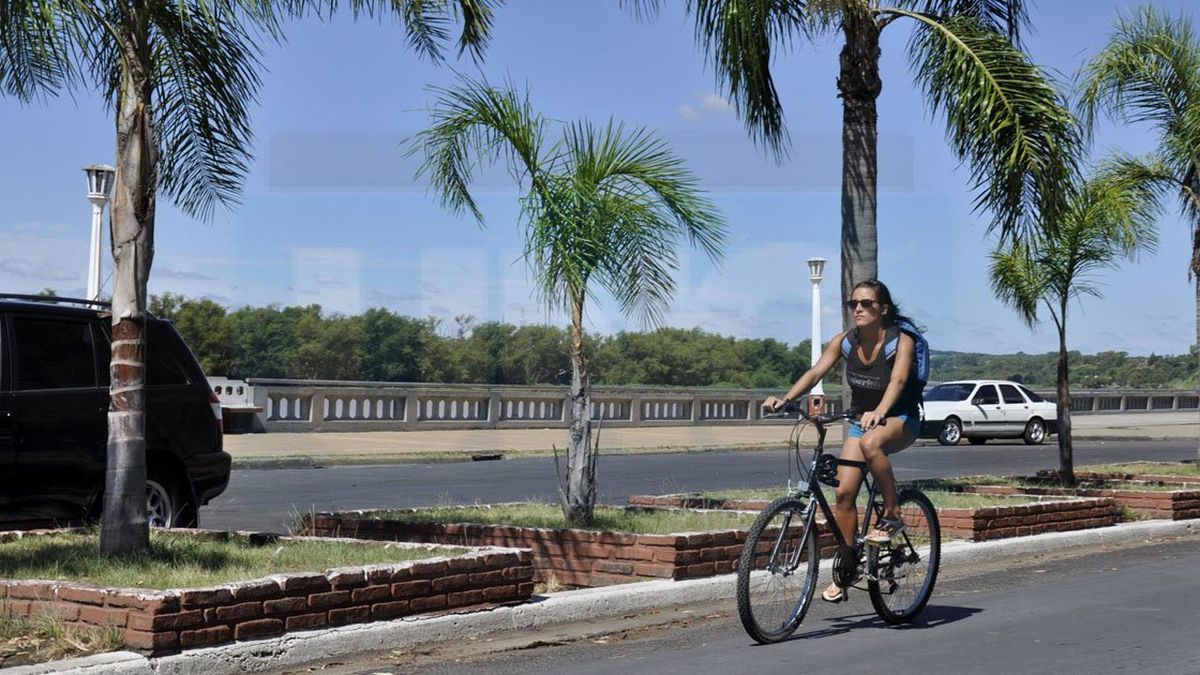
824 364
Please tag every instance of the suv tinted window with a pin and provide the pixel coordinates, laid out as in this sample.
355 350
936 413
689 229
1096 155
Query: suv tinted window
1032 396
162 364
53 354
1010 394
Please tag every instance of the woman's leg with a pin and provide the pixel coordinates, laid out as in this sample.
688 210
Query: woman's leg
875 446
844 510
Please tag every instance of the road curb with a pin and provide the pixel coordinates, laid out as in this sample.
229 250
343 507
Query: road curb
613 601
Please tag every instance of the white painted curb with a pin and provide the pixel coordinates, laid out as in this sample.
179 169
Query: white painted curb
298 648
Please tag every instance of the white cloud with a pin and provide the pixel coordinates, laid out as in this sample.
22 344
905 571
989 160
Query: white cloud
715 104
328 276
688 113
454 281
29 262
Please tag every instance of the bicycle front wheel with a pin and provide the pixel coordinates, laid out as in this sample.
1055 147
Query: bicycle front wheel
903 572
777 571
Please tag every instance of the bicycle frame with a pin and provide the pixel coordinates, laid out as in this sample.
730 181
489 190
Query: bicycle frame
813 489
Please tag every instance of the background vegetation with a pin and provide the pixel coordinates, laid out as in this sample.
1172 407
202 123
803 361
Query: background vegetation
378 345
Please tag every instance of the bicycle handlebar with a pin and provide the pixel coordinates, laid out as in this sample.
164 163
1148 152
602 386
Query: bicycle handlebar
794 407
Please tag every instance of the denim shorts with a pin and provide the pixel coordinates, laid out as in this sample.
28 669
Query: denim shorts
911 421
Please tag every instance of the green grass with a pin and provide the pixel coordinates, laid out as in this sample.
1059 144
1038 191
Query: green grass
1147 468
46 638
181 561
608 518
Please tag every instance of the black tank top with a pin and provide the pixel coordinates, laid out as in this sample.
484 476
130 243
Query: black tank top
868 382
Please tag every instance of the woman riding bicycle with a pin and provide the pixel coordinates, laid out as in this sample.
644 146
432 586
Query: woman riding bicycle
885 397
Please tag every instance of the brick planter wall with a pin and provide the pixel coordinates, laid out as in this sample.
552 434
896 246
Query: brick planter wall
570 557
1178 504
162 622
975 524
1151 477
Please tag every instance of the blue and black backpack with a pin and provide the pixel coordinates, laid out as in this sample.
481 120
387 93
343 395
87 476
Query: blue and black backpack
920 365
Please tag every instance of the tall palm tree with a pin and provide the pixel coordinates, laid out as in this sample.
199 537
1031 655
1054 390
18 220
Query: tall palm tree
1110 218
179 76
1002 116
1150 72
603 205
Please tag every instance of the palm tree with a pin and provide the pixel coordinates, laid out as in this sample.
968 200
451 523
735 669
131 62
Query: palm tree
179 76
603 205
1002 116
1150 72
1110 218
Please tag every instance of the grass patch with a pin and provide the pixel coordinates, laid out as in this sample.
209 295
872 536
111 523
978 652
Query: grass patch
942 499
45 638
608 518
181 561
1147 468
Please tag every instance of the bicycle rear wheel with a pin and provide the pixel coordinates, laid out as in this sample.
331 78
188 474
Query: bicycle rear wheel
906 569
777 571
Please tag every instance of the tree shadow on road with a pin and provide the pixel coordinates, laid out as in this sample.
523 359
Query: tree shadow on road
934 616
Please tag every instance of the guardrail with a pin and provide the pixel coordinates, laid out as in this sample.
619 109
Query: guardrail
306 405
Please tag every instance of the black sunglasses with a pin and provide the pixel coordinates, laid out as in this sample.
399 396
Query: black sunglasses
866 304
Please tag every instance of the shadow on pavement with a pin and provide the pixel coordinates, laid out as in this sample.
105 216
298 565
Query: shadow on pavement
934 616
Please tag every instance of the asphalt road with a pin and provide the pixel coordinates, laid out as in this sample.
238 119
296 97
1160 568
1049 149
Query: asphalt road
261 499
1108 611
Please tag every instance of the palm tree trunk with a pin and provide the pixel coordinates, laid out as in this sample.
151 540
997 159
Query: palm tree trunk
580 500
1196 276
1066 458
123 523
859 86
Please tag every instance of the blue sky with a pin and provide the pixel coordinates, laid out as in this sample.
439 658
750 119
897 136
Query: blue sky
331 214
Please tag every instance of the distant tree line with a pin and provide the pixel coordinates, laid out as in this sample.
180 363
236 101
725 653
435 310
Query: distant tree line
379 345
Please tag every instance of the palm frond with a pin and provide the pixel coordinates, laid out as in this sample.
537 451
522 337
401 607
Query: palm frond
1149 71
1007 17
474 124
1017 280
739 36
1003 117
427 23
36 46
206 82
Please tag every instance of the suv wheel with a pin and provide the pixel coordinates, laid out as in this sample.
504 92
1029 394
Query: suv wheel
951 432
162 502
1035 432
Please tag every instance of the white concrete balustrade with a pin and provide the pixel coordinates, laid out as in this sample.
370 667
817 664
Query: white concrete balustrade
295 405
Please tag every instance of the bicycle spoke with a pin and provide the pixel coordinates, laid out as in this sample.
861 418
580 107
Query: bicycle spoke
777 571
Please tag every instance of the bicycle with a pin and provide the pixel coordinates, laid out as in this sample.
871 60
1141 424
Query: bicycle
778 568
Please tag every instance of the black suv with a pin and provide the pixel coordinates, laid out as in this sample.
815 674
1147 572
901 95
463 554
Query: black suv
54 400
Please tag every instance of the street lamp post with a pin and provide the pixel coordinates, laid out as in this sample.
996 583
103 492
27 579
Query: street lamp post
100 184
816 398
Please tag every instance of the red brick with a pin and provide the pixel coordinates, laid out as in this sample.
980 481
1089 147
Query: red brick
613 566
429 570
146 603
467 564
389 610
523 573
307 583
285 605
706 569
371 594
428 603
150 641
654 570
99 616
239 612
17 607
452 583
257 629
327 600
266 589
306 621
339 581
204 637
161 622
499 593
724 566
462 598
487 578
30 590
86 596
205 597
525 590
338 617
411 589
